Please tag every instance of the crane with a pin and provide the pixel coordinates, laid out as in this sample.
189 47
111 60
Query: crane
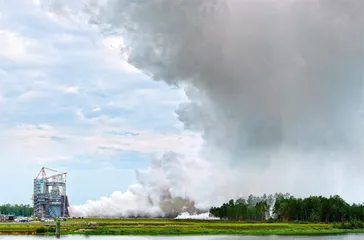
44 175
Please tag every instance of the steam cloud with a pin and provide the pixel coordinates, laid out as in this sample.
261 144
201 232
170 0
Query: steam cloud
275 86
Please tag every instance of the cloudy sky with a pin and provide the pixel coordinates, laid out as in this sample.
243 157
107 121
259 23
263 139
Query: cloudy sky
69 102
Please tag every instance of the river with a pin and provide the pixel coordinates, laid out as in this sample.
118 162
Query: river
337 237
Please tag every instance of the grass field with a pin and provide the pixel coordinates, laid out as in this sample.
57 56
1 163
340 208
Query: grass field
171 227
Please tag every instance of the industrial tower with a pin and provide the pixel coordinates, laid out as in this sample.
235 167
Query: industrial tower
50 197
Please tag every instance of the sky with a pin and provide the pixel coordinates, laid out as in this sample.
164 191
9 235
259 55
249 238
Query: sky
273 91
68 101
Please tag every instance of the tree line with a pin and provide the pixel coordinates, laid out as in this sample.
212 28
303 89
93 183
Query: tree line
286 208
17 210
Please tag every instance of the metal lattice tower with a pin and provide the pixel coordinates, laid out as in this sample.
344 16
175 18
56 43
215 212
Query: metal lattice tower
50 195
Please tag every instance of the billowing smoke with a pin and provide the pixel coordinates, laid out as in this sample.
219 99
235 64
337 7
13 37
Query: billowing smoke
202 216
275 87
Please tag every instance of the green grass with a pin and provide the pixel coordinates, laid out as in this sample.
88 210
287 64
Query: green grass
168 227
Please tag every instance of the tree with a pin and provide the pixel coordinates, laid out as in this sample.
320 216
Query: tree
288 208
17 210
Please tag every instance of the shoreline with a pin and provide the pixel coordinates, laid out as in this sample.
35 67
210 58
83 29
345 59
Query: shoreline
226 233
308 233
172 227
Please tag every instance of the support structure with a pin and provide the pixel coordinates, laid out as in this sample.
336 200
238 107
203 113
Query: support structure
50 196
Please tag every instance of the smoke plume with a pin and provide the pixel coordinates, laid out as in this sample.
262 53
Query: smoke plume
275 87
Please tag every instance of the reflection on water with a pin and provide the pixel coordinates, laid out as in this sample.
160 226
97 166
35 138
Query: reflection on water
338 237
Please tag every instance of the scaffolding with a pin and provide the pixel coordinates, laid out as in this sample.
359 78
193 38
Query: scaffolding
50 196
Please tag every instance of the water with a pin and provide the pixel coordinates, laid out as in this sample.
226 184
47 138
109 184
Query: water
338 237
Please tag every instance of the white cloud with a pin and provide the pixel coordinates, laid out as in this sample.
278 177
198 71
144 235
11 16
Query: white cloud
2 99
45 143
108 50
113 55
29 95
113 43
59 12
30 144
96 109
67 38
68 89
36 2
15 47
147 96
22 49
145 141
22 85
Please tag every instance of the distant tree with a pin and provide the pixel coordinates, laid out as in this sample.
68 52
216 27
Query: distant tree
17 210
284 207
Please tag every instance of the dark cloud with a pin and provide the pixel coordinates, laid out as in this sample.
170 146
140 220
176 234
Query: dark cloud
287 73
